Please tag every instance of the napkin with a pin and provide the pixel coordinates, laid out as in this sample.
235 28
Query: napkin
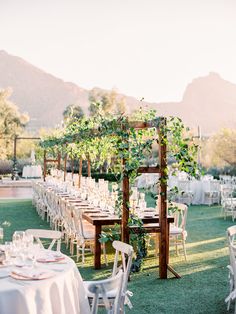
31 274
50 258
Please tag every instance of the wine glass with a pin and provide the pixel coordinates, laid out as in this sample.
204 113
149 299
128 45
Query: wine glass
1 235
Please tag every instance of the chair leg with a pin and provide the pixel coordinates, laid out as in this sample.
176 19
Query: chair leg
104 253
176 245
83 249
77 252
157 239
184 248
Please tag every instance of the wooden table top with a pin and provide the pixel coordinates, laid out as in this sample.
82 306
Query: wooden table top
104 218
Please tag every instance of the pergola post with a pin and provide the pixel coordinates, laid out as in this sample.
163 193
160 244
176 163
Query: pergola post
45 161
125 209
80 171
59 161
15 175
72 168
44 165
65 162
125 205
164 235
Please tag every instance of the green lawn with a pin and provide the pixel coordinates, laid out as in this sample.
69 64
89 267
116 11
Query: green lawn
203 285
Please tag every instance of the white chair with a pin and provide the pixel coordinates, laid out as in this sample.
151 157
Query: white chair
84 234
126 251
100 291
55 236
177 230
231 233
211 192
229 207
185 195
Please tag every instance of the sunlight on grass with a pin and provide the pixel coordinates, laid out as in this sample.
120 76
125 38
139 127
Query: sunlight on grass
203 285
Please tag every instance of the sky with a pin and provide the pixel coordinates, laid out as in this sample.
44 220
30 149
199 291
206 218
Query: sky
149 49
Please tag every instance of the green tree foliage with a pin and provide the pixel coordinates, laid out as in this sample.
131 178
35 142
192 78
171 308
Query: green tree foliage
219 150
106 102
225 146
73 112
12 121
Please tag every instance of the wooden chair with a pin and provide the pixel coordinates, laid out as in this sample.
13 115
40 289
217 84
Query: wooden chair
38 234
100 291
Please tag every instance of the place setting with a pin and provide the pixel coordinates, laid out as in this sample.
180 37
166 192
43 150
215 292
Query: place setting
22 259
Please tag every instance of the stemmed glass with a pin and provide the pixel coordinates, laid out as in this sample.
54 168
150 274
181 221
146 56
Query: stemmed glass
1 235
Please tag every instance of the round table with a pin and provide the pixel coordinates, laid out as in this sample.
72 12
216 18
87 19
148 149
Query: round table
61 294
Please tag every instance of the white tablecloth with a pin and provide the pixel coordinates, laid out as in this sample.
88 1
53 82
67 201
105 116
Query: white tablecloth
198 188
32 172
62 294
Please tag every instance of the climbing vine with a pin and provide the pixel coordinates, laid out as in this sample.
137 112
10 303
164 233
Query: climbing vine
111 139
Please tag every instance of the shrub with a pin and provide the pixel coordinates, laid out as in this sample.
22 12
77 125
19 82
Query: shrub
5 167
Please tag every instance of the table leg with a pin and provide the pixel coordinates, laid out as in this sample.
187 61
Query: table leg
97 251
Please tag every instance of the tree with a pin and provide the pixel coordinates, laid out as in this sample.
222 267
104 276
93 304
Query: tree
225 146
73 111
106 102
12 121
219 150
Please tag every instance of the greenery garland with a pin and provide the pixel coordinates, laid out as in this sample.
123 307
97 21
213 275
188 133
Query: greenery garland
105 137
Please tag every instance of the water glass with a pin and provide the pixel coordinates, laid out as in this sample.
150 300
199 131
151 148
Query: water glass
1 235
8 252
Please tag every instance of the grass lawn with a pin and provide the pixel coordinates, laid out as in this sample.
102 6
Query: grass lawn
203 286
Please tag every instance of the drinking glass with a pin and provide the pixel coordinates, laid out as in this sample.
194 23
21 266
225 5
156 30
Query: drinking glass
1 235
8 252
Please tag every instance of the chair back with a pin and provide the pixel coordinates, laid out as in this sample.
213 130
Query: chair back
231 233
100 290
78 221
38 234
180 214
126 251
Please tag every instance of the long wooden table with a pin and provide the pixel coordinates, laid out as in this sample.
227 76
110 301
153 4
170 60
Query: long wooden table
98 222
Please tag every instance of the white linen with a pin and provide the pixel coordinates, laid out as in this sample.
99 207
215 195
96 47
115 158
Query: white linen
61 294
32 172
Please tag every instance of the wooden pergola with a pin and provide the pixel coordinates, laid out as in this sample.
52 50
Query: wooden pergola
160 168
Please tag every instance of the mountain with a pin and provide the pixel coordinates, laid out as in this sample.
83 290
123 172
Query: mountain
40 94
208 102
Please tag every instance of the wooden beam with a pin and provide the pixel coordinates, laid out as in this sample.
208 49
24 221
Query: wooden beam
65 161
163 244
142 124
51 160
125 205
125 210
59 161
44 165
149 169
80 171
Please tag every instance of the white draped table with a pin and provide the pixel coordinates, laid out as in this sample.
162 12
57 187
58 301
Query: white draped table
32 172
197 187
61 294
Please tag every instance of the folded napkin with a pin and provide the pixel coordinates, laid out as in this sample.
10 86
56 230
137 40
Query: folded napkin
31 274
50 258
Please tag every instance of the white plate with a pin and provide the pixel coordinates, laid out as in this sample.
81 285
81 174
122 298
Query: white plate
4 273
